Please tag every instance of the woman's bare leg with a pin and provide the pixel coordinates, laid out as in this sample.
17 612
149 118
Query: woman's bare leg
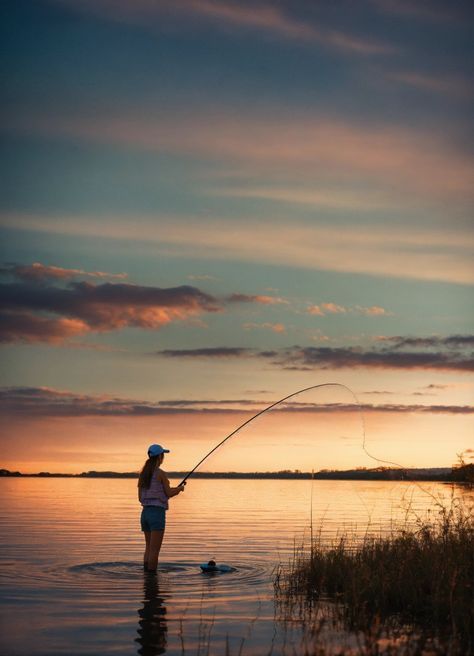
147 535
154 549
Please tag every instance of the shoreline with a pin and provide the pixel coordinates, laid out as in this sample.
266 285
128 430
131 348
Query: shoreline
435 474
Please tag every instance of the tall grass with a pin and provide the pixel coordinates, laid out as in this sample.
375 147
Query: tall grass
418 579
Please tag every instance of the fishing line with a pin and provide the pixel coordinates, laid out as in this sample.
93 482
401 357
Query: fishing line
285 398
290 396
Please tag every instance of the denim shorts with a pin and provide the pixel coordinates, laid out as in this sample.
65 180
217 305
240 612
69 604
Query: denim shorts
153 518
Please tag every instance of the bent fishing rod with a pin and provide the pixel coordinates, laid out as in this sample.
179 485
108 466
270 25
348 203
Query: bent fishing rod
272 405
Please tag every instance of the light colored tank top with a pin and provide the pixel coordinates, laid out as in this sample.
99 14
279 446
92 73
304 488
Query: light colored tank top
155 494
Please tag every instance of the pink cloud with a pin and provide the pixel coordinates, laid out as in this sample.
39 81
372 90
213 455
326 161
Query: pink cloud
256 298
315 310
279 328
421 254
39 272
339 154
332 308
261 17
49 402
374 311
31 328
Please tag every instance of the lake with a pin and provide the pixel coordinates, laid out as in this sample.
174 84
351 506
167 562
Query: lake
71 561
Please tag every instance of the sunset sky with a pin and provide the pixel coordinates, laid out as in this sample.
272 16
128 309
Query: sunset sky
208 205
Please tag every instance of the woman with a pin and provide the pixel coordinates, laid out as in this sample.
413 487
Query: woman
154 490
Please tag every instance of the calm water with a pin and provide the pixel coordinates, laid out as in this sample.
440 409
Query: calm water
71 551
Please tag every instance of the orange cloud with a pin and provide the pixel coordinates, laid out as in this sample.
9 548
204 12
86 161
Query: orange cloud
98 433
34 312
30 328
332 308
316 310
374 311
274 327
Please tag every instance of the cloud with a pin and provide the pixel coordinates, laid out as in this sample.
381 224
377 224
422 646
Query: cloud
29 327
332 198
211 352
38 272
312 358
343 157
441 84
260 17
33 313
255 298
323 309
365 249
48 402
316 310
201 277
273 20
274 327
332 308
373 311
436 387
451 341
438 12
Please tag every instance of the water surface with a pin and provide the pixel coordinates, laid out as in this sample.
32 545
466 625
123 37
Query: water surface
71 553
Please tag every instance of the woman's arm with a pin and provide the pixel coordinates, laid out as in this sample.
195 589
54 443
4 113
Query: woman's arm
169 491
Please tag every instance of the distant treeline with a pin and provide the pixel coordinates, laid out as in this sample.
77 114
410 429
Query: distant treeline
461 473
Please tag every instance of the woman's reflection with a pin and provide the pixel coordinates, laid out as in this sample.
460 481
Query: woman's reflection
152 623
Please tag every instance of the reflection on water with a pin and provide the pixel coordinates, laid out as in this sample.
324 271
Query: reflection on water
152 628
72 581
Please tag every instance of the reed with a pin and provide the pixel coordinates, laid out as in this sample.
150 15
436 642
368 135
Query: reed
412 579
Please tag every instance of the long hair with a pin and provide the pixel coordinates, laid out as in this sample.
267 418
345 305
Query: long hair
148 469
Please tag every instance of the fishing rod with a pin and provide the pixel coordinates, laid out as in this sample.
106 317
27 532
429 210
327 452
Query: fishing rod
285 398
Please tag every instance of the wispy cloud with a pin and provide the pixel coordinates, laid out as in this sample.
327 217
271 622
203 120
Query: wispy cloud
451 341
324 309
38 272
332 197
342 156
425 10
203 277
211 352
260 299
48 402
366 249
279 328
452 85
270 18
260 17
311 358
